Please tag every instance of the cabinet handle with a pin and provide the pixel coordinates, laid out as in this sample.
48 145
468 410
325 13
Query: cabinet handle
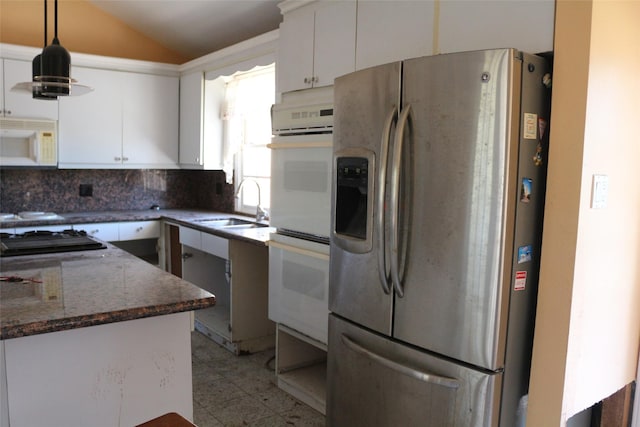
186 256
125 159
306 80
419 375
314 79
197 160
8 112
299 251
139 229
117 159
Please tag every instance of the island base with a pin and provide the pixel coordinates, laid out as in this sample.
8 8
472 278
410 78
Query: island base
122 373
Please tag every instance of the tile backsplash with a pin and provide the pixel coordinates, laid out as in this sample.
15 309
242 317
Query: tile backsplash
58 190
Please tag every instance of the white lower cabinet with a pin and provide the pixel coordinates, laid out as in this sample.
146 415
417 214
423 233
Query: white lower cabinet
120 231
107 231
136 230
236 273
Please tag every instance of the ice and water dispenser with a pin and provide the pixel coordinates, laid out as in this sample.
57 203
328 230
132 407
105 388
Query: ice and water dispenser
352 193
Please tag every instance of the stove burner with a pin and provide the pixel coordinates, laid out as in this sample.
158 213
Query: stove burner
43 242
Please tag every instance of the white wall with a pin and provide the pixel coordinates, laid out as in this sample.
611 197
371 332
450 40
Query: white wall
588 319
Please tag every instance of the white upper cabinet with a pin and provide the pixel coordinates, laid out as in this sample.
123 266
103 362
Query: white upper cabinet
317 44
474 25
129 120
317 39
90 125
150 121
191 128
21 104
393 30
201 127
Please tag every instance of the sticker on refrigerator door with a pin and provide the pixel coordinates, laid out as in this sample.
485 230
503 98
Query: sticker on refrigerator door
542 127
525 190
521 281
530 126
524 253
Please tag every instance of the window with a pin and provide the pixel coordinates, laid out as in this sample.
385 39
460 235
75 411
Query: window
247 131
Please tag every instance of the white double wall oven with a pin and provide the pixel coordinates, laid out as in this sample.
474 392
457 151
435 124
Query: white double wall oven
301 171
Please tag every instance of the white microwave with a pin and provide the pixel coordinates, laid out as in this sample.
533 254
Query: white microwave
27 142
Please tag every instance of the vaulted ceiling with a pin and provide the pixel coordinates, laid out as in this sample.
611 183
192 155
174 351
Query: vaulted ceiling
196 27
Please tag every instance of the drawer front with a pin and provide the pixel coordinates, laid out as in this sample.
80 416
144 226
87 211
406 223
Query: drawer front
139 230
190 237
299 285
215 245
107 231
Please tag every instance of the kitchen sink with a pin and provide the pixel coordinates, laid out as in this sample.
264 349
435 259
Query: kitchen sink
233 223
249 225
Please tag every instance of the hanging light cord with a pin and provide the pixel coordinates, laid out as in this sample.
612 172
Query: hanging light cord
45 23
55 11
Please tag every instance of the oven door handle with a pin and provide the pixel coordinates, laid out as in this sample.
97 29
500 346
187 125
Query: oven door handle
299 251
311 144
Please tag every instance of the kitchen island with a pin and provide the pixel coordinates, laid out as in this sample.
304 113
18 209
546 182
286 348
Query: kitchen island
96 338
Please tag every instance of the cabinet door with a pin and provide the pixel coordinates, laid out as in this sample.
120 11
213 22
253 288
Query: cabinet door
191 105
2 85
334 45
107 231
215 245
90 126
295 50
22 104
393 30
190 237
136 230
474 25
150 121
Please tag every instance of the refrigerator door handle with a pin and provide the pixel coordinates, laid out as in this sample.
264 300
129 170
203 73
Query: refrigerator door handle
398 367
395 192
383 271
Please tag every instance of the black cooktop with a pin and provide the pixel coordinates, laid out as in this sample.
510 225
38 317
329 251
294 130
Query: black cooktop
45 242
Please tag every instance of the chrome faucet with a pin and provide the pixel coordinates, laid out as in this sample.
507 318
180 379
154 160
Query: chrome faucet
261 214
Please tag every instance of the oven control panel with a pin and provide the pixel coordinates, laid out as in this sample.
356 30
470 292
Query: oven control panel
301 119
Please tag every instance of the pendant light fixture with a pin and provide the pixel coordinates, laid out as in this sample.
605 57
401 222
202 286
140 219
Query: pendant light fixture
51 70
55 63
36 67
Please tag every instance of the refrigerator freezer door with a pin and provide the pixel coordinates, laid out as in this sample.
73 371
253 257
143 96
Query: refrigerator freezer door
375 382
463 154
365 105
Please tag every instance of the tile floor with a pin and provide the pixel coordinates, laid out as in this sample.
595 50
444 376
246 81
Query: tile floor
241 391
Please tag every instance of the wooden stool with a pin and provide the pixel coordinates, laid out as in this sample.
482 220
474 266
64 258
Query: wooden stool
168 420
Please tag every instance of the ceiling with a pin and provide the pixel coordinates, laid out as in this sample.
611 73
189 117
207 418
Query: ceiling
196 27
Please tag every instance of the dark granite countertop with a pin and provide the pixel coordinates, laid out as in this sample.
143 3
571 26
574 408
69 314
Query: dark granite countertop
185 217
79 289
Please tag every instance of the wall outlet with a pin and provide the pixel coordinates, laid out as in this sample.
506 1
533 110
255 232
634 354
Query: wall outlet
599 191
86 190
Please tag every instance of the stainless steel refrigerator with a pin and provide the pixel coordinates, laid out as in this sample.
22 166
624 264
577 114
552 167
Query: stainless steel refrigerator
438 192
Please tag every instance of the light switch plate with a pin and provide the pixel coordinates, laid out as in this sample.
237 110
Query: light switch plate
599 191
